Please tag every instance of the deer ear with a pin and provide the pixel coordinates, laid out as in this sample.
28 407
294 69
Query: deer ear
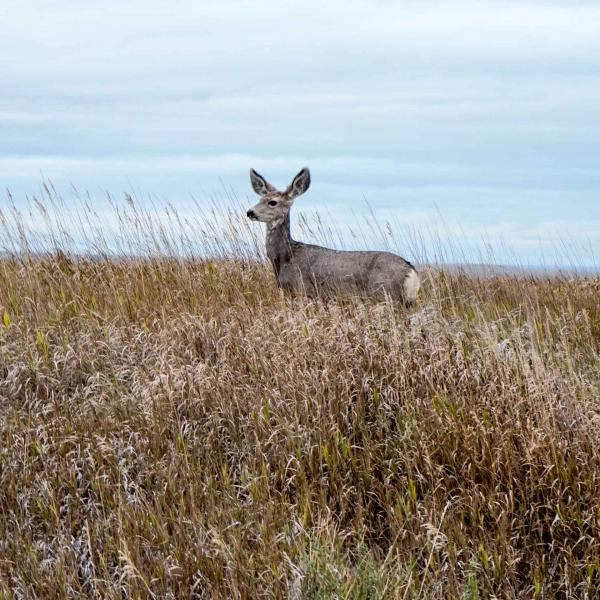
299 184
259 184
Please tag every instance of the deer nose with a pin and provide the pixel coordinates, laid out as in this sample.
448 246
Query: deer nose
251 214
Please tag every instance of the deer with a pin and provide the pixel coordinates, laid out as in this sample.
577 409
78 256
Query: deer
308 269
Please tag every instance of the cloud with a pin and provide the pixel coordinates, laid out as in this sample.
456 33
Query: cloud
489 111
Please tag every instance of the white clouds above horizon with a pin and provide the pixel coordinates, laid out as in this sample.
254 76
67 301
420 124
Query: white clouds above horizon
463 106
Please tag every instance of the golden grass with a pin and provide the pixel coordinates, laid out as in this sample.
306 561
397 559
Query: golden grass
174 427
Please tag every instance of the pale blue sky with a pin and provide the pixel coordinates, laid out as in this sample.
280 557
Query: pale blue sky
483 115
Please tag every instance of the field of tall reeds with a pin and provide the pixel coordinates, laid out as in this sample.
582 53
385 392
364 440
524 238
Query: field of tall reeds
172 426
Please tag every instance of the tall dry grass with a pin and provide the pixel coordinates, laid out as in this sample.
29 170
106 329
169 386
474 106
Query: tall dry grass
172 426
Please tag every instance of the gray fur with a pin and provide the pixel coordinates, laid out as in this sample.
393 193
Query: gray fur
313 269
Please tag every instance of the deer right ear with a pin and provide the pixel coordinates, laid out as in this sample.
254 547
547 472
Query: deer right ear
300 184
259 184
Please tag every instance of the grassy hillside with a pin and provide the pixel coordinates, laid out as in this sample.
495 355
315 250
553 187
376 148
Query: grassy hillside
175 427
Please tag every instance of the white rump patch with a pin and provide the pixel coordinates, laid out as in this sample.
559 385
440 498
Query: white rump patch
412 283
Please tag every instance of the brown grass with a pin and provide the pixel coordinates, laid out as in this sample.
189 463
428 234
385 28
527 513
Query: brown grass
174 427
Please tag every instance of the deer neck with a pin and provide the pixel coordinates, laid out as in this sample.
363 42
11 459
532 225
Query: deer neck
279 241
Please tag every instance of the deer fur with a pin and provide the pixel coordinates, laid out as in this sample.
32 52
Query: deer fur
310 269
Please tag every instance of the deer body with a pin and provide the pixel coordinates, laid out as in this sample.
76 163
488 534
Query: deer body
310 269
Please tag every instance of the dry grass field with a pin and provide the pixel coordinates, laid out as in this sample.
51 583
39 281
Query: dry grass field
174 427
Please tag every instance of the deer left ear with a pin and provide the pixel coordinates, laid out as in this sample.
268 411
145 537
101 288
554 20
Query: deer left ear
299 185
259 184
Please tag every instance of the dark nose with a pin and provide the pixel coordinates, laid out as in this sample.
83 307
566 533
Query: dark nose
251 214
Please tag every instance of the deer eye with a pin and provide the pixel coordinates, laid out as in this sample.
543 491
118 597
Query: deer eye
272 203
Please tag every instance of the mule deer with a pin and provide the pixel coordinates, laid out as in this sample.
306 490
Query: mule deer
312 269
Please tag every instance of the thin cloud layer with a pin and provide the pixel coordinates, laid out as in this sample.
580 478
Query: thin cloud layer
477 113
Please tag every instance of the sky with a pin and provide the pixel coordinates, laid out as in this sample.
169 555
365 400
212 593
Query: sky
476 122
